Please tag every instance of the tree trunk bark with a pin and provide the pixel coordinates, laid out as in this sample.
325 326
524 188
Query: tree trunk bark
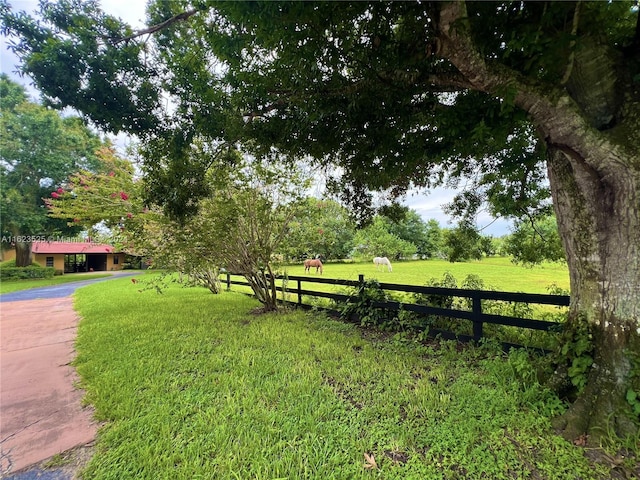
263 287
23 254
600 229
594 176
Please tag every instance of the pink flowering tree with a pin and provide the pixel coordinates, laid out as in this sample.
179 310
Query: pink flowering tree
111 197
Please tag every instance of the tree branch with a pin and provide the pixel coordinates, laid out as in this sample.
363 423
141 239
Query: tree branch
572 44
557 120
636 39
449 82
456 45
155 28
441 82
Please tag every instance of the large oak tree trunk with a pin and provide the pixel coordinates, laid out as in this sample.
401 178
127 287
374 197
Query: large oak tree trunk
593 162
599 225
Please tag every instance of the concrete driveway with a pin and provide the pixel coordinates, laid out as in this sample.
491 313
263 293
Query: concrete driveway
41 412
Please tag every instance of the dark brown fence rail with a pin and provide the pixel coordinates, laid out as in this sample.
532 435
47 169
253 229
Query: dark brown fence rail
293 286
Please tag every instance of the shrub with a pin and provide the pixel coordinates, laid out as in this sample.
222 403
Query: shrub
360 305
26 273
502 333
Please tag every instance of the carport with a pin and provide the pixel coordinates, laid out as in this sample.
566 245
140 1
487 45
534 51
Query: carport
71 257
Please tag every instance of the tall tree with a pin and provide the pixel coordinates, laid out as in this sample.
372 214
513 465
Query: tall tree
321 227
462 243
532 242
434 242
38 151
375 240
401 94
408 225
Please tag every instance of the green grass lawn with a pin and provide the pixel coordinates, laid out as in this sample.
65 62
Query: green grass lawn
192 385
8 286
497 272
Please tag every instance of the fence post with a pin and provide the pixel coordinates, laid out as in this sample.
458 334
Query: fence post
299 290
477 318
360 292
228 281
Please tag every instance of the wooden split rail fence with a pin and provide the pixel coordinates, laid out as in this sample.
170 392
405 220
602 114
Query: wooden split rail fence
292 285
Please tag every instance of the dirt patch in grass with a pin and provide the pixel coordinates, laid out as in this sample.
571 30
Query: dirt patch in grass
63 466
624 465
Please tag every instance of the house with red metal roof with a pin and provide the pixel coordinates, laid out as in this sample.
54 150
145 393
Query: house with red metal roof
69 257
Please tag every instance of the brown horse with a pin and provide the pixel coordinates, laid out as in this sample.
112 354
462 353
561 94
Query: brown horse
312 263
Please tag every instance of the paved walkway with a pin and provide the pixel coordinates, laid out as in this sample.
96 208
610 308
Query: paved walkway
40 407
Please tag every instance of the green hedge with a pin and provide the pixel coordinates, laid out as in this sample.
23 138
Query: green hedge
24 273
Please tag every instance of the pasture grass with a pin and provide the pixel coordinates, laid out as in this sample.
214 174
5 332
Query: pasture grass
192 385
8 286
499 273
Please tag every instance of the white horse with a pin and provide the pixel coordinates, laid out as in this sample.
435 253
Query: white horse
381 262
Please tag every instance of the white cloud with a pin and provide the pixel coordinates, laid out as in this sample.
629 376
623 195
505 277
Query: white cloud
429 205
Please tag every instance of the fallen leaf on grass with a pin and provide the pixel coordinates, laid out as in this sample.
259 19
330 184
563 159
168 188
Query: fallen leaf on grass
370 462
581 441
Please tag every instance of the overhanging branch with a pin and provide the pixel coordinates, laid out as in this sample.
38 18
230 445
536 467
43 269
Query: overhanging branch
572 44
435 82
156 28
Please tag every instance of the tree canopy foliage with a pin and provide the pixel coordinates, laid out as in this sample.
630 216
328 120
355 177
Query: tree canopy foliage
351 85
408 225
321 227
532 242
376 240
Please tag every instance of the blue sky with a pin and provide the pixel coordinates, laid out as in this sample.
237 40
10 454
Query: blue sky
427 204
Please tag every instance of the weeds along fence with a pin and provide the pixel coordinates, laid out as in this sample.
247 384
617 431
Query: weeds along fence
476 308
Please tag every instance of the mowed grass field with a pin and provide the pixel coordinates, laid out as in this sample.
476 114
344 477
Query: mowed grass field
191 385
499 273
